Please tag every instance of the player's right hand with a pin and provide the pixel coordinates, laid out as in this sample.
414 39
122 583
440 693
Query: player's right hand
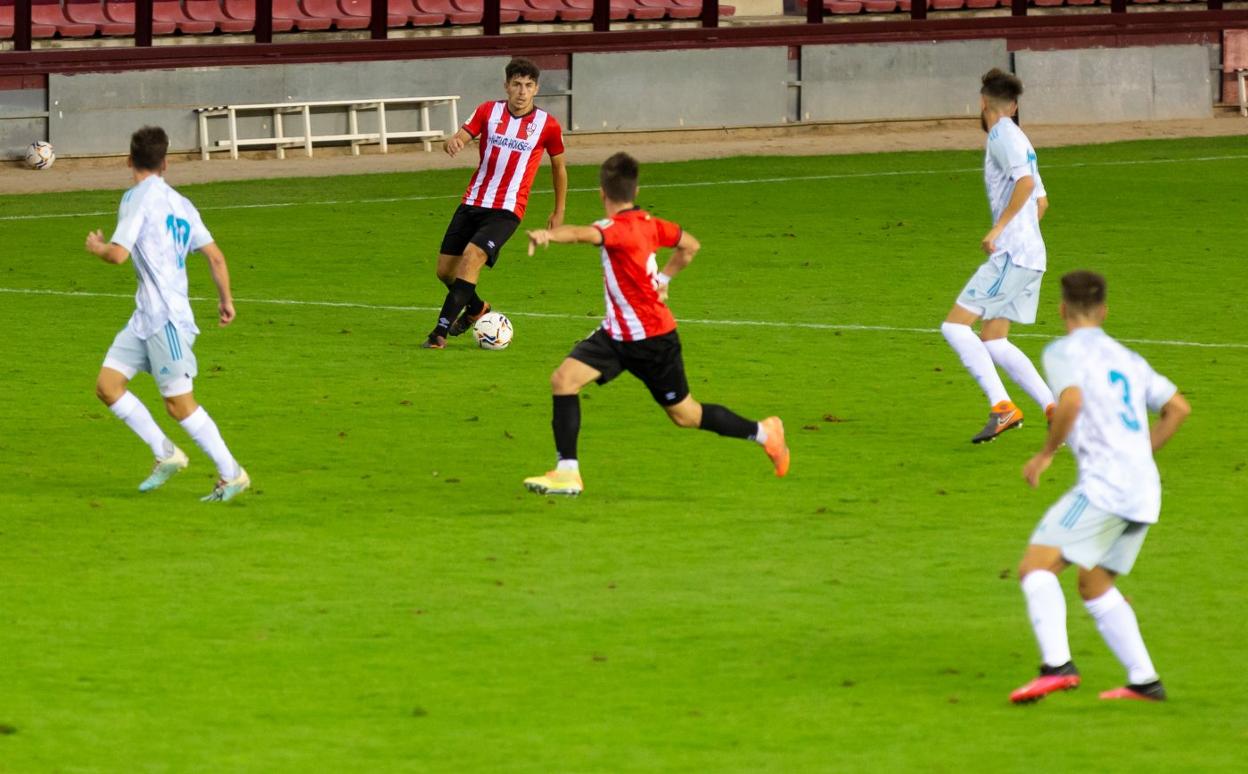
95 240
226 311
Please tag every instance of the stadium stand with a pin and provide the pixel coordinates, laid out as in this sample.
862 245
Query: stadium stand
211 11
1235 60
50 13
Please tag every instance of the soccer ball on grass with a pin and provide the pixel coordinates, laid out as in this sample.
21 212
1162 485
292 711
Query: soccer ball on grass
40 155
493 331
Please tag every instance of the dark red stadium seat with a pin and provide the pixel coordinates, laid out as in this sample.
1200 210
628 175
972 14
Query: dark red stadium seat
1047 3
946 5
6 23
210 10
92 12
984 4
453 15
1078 2
879 6
122 12
564 11
245 10
290 9
415 16
840 7
618 13
49 12
640 12
724 10
329 9
171 11
529 12
364 8
673 10
478 7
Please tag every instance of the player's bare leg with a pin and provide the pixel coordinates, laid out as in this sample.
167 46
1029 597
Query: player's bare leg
1046 606
994 334
1003 414
768 433
231 478
110 388
461 292
565 383
1116 622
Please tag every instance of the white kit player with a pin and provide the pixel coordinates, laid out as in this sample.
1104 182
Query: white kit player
1007 286
1105 392
157 227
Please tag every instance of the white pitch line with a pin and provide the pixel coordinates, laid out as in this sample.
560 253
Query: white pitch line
560 316
689 184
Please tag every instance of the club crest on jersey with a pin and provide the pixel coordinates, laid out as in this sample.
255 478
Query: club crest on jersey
529 129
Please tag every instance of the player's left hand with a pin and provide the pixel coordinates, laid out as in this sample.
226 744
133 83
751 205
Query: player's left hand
95 242
225 310
989 243
538 238
1035 468
555 220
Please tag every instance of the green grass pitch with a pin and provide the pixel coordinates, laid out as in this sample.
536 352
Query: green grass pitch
389 598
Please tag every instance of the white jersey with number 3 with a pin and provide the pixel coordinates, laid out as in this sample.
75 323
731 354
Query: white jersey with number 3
160 227
1111 438
1009 158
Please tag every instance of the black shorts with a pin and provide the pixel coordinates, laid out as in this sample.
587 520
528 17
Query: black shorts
656 361
486 228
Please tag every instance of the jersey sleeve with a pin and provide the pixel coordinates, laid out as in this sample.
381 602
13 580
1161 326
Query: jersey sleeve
1040 192
476 123
1010 152
552 136
200 236
1059 368
668 232
129 224
1158 391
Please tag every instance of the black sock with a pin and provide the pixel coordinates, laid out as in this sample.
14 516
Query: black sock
475 305
566 423
461 291
719 419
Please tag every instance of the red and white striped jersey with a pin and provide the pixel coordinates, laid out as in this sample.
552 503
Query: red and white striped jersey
630 242
511 152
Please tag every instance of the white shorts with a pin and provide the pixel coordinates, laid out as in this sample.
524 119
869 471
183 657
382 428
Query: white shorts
1090 536
1001 289
167 356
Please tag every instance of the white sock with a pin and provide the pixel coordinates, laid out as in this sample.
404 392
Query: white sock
204 432
572 465
1115 620
1047 608
976 359
760 435
1021 370
131 410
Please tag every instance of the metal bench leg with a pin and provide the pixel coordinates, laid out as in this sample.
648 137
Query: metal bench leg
1243 93
307 130
381 126
424 126
353 126
279 132
203 137
233 134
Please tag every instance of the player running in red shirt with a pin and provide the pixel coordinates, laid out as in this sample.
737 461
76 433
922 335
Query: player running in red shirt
639 332
513 135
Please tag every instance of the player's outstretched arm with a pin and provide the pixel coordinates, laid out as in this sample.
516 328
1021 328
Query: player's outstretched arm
563 235
1068 405
559 177
1023 188
109 252
1173 414
221 278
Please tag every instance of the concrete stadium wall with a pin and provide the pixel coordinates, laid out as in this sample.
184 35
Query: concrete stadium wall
1115 84
902 81
95 113
705 88
701 88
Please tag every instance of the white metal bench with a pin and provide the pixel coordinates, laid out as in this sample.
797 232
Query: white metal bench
281 141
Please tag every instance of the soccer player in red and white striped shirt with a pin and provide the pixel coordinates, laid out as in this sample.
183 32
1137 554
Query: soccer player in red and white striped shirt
513 134
639 332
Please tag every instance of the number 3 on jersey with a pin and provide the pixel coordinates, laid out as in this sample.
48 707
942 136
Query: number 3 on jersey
180 230
1129 417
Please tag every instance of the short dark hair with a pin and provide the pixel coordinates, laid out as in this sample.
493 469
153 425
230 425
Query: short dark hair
148 147
1000 86
1083 291
522 67
618 177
